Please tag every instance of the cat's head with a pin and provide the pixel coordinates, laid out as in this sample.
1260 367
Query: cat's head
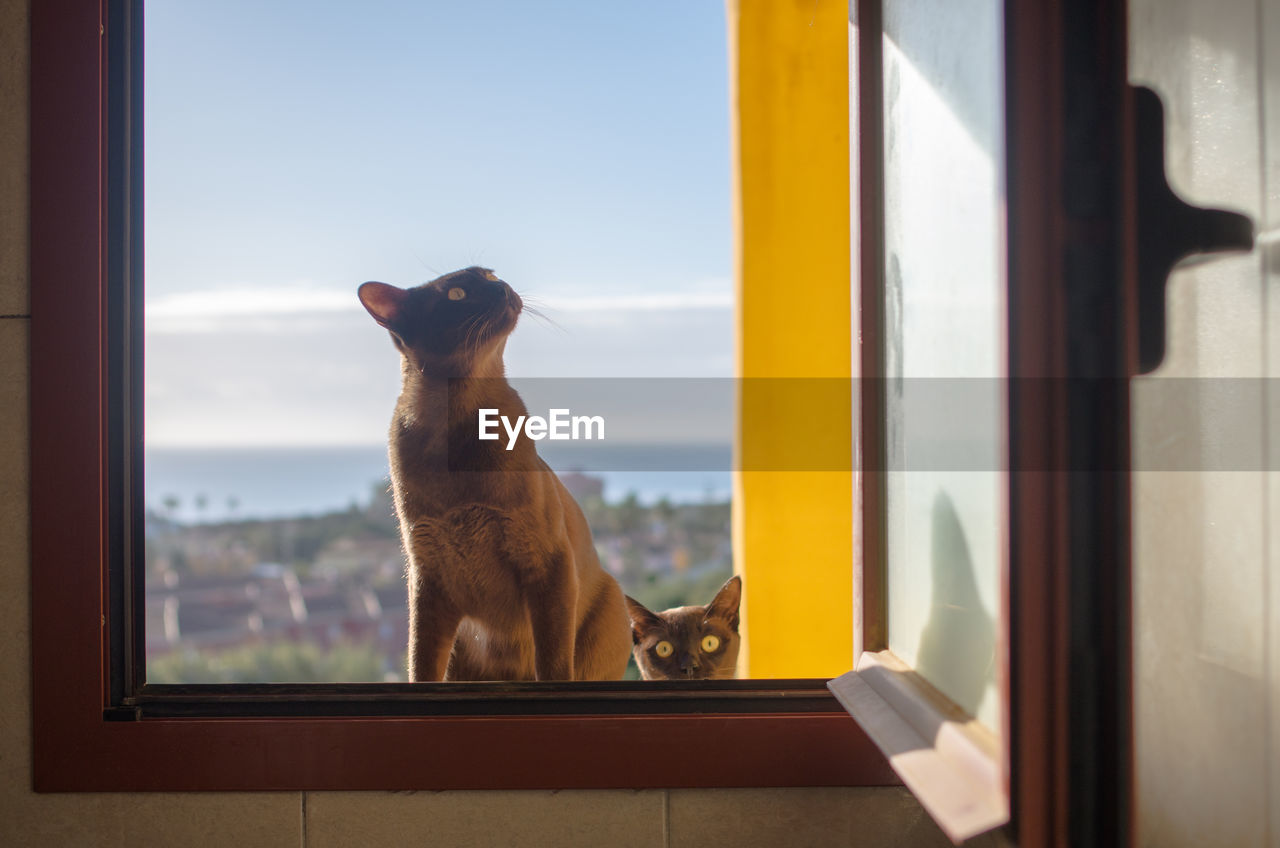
449 326
687 643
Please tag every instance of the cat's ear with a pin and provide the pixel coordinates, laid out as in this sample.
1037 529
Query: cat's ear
385 302
642 620
725 604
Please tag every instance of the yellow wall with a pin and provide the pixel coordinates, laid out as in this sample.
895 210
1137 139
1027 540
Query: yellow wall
657 818
793 529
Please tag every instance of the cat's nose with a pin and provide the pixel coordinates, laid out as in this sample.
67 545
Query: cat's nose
512 298
688 666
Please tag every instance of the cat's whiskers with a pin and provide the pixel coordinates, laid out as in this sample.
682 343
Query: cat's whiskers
468 330
471 334
423 263
539 314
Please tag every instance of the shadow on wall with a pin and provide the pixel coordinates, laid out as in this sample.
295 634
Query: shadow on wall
957 647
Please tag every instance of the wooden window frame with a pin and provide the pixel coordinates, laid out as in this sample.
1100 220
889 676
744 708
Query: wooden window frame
953 764
1063 774
1067 766
96 727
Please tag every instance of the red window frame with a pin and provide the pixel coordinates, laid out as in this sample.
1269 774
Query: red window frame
1055 712
1070 201
79 743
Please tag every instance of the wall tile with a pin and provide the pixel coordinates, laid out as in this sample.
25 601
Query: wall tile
617 819
1271 282
868 817
13 157
1271 110
73 820
15 624
264 820
1202 58
1200 539
243 820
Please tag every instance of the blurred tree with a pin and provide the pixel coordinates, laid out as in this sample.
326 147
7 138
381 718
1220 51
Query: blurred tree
278 662
171 504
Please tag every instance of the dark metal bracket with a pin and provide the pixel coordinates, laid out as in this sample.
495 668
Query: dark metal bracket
1169 230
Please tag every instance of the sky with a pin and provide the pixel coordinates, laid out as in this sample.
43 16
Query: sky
295 150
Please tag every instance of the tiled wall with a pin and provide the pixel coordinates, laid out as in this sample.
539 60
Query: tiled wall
1207 604
741 818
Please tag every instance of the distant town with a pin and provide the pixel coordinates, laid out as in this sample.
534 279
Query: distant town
322 598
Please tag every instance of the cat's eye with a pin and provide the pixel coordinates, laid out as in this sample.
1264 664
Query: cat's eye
490 276
457 293
664 649
710 643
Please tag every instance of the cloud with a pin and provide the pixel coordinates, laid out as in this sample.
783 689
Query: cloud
221 373
273 310
261 310
257 301
655 302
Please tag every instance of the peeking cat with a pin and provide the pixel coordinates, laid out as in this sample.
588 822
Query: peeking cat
686 643
503 579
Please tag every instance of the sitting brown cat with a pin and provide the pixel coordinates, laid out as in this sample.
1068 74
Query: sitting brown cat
504 583
687 643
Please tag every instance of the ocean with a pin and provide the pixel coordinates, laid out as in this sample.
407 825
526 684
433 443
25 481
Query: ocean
216 484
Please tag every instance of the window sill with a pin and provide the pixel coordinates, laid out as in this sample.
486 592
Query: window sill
75 752
947 759
579 698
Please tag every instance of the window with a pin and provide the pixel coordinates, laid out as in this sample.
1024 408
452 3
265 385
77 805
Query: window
1033 219
1066 591
98 727
939 323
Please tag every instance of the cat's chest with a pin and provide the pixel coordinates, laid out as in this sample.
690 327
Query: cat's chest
479 556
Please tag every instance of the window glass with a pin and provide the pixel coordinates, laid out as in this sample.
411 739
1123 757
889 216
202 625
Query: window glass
295 150
944 342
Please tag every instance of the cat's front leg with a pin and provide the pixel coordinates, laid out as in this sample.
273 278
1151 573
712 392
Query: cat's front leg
553 601
433 621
